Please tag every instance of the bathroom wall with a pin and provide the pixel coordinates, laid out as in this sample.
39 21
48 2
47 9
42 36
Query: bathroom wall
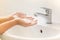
30 6
2 9
26 6
55 5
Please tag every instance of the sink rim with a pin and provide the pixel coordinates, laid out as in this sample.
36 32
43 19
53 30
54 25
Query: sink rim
20 37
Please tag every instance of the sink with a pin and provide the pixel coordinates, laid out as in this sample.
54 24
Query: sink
49 32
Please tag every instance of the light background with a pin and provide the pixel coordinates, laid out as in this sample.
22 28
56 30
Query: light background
30 6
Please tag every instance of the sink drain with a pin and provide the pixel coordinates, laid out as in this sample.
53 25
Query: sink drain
41 31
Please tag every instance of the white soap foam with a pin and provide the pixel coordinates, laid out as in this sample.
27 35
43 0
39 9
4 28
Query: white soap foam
16 17
25 19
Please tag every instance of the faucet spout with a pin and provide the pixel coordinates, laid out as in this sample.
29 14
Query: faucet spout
48 15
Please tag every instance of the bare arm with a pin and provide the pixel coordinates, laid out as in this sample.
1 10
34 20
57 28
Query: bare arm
2 20
5 26
6 23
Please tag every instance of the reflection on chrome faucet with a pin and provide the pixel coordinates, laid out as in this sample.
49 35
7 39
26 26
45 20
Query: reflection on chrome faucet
48 14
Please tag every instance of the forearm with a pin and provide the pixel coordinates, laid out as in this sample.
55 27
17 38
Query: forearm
2 20
5 26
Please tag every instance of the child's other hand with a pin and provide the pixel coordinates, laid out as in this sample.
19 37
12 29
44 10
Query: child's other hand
22 22
26 24
20 14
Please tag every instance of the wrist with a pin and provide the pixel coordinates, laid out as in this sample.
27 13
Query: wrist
16 21
10 18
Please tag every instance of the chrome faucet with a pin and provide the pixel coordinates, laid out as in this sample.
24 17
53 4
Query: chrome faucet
48 15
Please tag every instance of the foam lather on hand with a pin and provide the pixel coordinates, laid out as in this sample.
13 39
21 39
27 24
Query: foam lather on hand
16 17
25 19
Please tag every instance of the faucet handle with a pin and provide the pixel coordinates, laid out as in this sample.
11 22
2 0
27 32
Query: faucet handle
45 8
39 14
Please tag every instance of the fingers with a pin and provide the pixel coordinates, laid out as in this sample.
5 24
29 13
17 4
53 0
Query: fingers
30 18
33 21
27 24
21 15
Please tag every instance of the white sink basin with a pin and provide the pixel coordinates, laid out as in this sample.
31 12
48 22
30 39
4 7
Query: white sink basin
51 32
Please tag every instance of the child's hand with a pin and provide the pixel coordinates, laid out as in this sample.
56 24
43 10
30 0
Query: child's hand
19 14
26 23
22 22
33 21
